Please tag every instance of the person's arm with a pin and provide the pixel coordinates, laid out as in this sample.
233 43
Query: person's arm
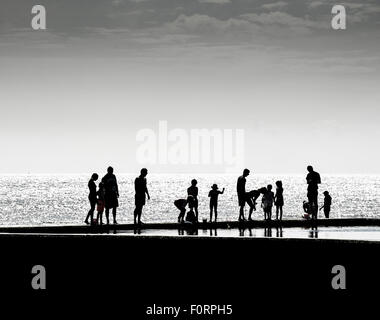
146 191
209 193
321 207
222 191
117 187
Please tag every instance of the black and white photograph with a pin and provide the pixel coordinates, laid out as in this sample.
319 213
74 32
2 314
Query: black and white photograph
189 159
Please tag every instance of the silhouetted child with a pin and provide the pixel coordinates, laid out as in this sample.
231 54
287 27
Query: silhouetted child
306 209
214 194
181 205
327 204
251 200
101 203
267 202
279 199
193 191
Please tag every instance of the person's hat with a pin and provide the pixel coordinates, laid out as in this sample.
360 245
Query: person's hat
214 186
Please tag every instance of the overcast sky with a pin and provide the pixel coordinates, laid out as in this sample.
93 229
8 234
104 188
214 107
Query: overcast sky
73 97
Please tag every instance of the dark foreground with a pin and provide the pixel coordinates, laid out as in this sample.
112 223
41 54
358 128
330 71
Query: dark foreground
124 275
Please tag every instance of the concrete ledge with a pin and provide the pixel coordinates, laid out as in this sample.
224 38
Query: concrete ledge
85 229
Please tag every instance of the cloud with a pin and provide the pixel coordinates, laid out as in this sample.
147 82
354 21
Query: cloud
275 5
215 1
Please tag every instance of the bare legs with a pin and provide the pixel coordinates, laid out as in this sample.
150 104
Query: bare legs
108 215
278 211
213 207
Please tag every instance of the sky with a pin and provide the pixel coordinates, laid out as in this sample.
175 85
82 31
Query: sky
73 97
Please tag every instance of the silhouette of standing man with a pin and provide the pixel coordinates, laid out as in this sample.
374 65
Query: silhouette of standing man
111 194
140 189
313 179
242 197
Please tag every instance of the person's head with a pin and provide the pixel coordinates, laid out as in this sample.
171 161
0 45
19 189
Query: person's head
326 193
269 187
279 184
110 170
144 172
94 176
262 190
214 186
246 173
194 182
310 168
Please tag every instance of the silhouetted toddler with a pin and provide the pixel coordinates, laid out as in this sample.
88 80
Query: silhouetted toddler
279 199
267 202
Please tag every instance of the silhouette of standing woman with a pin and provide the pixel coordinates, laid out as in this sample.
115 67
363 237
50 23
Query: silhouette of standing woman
111 194
313 179
140 189
242 197
92 198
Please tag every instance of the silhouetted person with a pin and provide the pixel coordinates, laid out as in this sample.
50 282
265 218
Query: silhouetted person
279 199
267 202
190 217
326 204
92 198
111 194
181 206
251 198
101 203
306 209
240 188
193 191
214 194
141 190
313 179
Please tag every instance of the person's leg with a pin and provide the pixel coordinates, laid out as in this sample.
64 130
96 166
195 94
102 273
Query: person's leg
90 214
216 211
135 213
211 211
139 213
281 213
196 209
251 207
100 219
114 215
277 211
108 215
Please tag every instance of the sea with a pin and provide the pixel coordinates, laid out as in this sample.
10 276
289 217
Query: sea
61 199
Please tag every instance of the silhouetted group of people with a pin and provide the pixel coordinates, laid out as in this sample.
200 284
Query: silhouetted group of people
107 194
269 198
105 198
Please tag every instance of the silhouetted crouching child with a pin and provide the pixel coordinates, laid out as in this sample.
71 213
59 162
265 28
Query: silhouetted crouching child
267 202
326 205
181 205
306 209
251 197
214 194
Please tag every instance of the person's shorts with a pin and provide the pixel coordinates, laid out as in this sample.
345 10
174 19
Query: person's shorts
242 200
140 200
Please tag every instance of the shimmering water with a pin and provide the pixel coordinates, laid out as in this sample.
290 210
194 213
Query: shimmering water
62 199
